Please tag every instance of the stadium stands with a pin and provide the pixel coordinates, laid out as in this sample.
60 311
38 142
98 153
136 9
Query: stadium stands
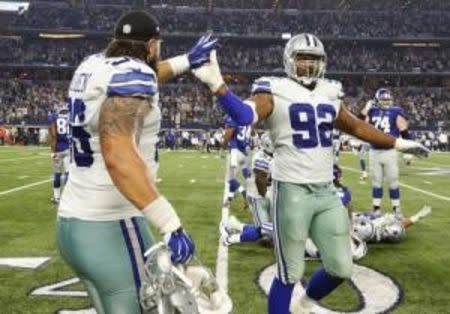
401 44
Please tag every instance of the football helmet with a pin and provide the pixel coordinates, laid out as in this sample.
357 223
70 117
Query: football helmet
364 229
266 144
384 98
191 289
393 233
307 45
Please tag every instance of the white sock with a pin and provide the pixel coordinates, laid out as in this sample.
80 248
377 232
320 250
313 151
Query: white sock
376 202
56 193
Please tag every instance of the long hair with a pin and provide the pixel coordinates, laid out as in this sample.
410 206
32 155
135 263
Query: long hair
129 48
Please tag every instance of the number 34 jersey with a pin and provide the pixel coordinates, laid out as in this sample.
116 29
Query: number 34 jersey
90 193
301 126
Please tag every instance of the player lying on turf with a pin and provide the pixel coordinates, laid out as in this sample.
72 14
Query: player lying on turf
372 227
300 111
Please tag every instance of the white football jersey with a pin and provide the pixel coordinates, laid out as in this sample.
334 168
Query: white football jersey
301 126
260 161
90 193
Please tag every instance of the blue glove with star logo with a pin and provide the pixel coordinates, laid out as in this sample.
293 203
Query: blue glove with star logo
181 246
199 54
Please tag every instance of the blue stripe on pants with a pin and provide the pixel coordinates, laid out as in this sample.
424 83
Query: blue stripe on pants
282 269
126 236
139 235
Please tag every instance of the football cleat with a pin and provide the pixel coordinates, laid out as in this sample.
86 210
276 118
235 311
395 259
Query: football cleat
233 225
55 200
363 176
425 211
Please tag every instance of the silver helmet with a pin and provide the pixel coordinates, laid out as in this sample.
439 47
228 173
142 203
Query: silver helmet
191 289
364 229
306 44
393 233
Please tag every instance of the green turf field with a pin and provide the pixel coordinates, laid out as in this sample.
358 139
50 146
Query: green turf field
193 181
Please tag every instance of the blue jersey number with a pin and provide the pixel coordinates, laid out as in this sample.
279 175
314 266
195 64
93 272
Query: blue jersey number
303 120
80 146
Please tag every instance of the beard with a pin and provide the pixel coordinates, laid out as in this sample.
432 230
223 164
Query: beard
152 62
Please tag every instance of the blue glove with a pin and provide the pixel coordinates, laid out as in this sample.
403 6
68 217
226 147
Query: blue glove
181 246
199 54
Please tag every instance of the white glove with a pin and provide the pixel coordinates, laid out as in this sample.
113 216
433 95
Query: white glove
209 73
54 156
411 147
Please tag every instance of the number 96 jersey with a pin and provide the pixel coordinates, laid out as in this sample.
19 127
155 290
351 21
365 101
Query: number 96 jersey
90 193
301 126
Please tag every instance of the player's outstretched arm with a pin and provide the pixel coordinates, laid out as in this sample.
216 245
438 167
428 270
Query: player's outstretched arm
196 57
247 112
348 123
120 119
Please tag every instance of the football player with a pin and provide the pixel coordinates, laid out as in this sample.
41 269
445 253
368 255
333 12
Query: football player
102 230
300 111
390 119
59 145
258 198
372 227
237 139
336 144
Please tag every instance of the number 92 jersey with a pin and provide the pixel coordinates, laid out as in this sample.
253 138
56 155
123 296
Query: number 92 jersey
90 193
301 126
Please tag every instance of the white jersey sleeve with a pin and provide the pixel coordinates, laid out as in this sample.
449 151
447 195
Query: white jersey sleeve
90 193
301 126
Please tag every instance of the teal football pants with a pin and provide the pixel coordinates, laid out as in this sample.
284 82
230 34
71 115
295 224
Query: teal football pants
310 210
108 256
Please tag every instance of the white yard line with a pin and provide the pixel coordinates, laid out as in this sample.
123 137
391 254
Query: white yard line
222 250
24 158
441 197
23 187
431 163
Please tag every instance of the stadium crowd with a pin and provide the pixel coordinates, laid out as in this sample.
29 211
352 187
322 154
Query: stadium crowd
366 5
336 23
346 56
30 102
27 100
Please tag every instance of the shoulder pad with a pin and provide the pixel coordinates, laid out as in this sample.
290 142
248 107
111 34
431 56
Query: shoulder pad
334 87
263 85
131 77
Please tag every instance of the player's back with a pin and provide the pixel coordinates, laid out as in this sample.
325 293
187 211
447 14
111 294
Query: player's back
61 121
301 127
90 193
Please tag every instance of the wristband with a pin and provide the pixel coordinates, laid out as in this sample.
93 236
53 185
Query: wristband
162 215
179 64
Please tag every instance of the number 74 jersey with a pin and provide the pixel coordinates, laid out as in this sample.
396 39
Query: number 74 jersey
301 126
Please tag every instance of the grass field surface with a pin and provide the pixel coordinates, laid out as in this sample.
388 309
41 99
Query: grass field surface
193 182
